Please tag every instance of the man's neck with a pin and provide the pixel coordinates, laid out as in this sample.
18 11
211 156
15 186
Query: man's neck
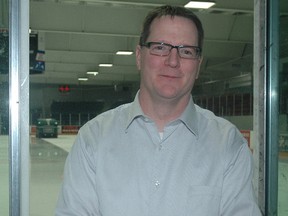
162 110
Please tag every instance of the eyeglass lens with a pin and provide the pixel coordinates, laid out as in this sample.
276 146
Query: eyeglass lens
163 49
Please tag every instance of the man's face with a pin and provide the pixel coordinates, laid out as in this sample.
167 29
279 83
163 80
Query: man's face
169 77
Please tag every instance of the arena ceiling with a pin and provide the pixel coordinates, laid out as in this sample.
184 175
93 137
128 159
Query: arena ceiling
78 35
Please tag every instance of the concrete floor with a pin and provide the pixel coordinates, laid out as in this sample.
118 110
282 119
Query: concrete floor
47 162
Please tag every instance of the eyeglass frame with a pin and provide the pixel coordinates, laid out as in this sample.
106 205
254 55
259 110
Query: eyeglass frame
196 48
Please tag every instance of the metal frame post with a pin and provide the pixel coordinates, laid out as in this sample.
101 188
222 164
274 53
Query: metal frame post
19 107
259 102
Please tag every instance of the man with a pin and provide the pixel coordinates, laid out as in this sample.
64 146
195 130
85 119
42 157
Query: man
161 155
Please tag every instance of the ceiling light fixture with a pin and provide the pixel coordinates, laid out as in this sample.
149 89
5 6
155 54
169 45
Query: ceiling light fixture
105 65
82 79
124 52
92 73
200 4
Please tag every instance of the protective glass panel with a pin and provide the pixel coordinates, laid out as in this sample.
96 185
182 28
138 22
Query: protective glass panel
283 112
4 108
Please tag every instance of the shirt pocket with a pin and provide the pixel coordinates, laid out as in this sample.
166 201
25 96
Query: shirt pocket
203 201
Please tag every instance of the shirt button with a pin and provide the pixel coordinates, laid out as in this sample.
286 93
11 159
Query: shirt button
157 183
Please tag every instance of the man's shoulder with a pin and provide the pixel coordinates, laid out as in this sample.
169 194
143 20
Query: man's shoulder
121 109
221 128
205 115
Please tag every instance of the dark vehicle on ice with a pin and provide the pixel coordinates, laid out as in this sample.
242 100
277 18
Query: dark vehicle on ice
47 127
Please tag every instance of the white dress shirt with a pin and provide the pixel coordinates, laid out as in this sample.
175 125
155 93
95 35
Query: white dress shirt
119 166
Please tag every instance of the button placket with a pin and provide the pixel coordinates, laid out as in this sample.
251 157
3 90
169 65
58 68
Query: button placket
158 164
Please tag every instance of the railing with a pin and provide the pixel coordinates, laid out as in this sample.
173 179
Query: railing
227 105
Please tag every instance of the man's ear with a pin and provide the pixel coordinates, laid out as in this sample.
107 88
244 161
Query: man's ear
199 66
138 57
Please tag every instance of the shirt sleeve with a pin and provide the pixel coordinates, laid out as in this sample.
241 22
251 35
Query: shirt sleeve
238 197
78 194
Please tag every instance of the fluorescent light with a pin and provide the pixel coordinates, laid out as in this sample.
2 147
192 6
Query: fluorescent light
92 73
105 65
199 4
124 53
83 79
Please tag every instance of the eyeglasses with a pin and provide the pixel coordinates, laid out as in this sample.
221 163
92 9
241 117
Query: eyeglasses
164 49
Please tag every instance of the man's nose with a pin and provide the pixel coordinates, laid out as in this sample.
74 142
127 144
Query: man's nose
173 58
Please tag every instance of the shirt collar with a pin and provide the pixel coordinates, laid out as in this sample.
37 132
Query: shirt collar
188 117
134 111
